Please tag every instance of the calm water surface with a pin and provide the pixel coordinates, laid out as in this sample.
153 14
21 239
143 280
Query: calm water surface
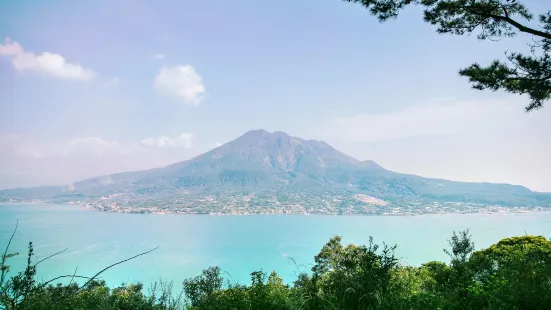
238 244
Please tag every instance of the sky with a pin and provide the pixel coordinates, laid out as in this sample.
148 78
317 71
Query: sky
89 88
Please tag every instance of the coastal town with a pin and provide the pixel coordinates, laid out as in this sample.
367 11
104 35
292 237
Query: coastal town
355 205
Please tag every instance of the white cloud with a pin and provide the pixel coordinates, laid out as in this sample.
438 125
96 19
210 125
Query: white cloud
442 117
46 63
29 161
149 142
96 145
158 56
183 140
181 82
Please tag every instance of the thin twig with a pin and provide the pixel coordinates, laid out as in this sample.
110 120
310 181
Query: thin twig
50 257
60 277
229 275
6 253
11 238
73 277
115 264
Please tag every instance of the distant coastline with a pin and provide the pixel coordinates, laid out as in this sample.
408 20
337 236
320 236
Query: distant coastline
274 211
482 210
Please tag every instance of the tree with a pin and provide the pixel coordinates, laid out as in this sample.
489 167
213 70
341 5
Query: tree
514 273
353 276
197 290
461 276
493 19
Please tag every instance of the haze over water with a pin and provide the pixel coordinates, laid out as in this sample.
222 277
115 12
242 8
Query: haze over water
238 244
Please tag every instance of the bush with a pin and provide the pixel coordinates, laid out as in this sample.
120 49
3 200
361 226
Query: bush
514 273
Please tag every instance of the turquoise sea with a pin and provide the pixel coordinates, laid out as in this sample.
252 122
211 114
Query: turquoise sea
238 244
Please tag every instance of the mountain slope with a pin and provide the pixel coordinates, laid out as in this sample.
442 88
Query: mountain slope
282 170
257 156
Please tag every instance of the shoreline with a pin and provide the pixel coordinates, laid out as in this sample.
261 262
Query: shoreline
497 210
501 210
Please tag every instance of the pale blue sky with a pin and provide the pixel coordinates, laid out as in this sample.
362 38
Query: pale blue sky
320 69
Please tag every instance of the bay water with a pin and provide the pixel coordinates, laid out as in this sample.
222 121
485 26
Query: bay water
238 244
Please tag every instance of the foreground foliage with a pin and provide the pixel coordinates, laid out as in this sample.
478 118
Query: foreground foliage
514 273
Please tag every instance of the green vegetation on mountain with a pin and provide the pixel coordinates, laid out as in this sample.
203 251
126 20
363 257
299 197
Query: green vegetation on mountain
528 74
262 171
514 273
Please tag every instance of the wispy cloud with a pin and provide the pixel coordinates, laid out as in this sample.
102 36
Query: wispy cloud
29 161
158 56
182 83
27 146
47 64
438 117
183 140
88 145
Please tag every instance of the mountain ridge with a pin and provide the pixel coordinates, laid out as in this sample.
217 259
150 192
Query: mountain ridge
273 165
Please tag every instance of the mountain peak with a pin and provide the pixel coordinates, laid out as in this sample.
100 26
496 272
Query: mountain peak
256 132
251 136
278 151
262 133
280 134
261 136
